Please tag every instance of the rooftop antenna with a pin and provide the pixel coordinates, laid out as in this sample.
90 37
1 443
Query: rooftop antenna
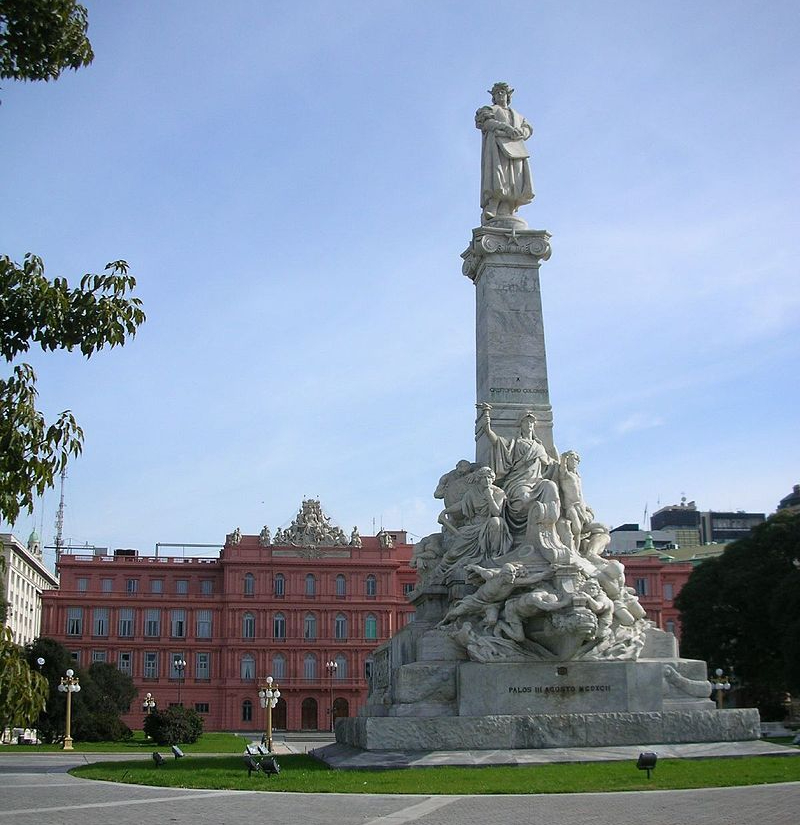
644 517
60 517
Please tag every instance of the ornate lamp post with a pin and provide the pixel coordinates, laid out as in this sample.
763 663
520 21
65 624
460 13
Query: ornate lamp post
69 685
149 703
722 684
180 666
331 667
268 695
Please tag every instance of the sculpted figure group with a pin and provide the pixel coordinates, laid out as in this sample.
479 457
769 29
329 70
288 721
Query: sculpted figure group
520 531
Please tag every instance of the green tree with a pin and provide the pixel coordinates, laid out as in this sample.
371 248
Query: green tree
23 691
53 315
741 612
105 694
39 39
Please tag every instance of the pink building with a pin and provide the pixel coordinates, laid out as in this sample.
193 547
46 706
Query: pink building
310 616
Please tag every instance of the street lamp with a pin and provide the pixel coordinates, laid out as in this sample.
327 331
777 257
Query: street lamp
268 695
722 684
331 667
180 666
149 703
69 685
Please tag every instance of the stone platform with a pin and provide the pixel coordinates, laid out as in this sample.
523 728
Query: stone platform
547 730
346 757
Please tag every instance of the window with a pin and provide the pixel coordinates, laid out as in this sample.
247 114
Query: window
641 587
181 586
279 666
74 621
408 588
152 622
340 627
370 627
124 663
247 711
201 707
125 622
202 666
369 666
131 586
310 626
106 585
156 585
207 587
279 626
175 671
670 626
83 585
178 623
341 667
100 621
75 657
150 665
310 666
372 586
248 626
247 667
99 656
203 618
341 586
280 585
311 585
249 584
668 592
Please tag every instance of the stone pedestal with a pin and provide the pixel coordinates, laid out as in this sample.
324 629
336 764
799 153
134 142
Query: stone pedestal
511 365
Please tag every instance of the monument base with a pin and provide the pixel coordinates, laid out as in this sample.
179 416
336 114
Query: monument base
547 730
425 695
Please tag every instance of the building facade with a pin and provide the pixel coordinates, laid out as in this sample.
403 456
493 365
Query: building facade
24 581
309 616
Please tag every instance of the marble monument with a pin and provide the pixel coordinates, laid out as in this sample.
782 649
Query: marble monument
526 634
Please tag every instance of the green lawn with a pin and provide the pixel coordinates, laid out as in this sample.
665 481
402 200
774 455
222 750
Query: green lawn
207 743
303 774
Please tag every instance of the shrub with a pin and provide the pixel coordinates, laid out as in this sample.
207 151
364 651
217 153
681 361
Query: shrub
174 726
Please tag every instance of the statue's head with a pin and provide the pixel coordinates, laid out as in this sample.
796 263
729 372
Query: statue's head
484 473
570 459
527 424
464 466
501 90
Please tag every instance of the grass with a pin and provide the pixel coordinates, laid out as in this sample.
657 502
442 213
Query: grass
207 743
303 774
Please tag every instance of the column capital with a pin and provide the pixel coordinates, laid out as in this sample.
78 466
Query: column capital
488 240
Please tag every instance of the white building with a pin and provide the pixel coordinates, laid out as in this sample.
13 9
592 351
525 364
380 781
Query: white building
24 580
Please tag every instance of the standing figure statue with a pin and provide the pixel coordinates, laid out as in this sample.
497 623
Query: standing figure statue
506 182
524 469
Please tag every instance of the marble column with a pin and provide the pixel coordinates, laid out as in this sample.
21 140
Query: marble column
510 351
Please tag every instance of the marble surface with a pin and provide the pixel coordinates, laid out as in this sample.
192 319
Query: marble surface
344 756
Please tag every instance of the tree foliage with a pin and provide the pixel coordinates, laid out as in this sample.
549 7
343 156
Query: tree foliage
39 39
99 312
23 691
174 725
105 694
741 612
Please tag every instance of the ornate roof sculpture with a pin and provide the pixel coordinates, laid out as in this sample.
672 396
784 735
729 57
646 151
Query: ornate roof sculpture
311 528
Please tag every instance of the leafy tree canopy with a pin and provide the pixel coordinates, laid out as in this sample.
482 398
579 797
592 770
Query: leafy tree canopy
39 39
51 314
174 725
741 612
105 694
23 691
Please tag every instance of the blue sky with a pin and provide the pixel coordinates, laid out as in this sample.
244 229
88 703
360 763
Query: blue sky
292 187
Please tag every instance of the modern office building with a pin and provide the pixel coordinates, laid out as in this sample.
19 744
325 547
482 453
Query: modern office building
628 538
791 503
694 527
307 608
25 579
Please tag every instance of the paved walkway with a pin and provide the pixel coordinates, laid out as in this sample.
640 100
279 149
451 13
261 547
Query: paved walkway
36 790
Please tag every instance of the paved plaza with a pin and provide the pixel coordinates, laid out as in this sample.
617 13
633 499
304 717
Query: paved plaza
37 789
